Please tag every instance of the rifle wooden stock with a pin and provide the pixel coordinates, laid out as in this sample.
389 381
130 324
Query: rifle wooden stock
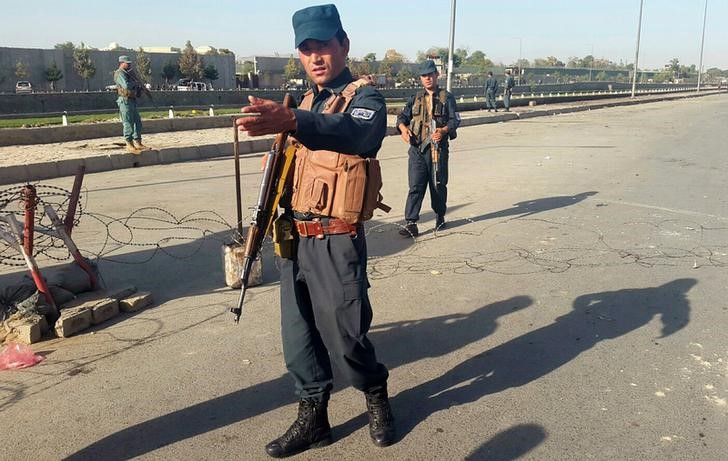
276 175
435 151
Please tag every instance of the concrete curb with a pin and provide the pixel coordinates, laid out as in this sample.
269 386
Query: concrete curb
95 164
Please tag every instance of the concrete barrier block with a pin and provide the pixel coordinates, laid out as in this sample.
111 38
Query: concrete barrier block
14 174
98 163
45 170
148 157
261 145
209 151
169 155
189 153
68 167
73 320
123 160
226 148
136 302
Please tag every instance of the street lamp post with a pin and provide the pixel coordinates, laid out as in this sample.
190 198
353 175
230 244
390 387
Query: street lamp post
452 46
591 63
637 50
702 44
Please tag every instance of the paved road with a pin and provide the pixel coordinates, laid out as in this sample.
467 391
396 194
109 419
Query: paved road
574 309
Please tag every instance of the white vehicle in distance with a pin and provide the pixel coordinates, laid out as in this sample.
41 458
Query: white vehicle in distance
23 87
186 84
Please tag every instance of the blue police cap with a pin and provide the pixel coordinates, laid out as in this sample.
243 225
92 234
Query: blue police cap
319 22
124 59
428 67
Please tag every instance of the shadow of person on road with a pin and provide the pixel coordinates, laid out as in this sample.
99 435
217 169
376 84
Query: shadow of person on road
595 317
528 208
445 334
510 444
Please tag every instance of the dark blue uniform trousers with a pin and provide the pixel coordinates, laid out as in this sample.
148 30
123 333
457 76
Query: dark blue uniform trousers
325 315
420 178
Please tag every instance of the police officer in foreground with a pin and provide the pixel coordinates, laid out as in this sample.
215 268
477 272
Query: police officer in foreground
325 310
423 168
491 89
129 89
508 86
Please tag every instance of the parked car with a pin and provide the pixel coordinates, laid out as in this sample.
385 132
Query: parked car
192 86
23 87
110 87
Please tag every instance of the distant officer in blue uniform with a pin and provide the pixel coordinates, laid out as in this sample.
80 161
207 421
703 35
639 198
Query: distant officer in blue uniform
325 309
415 126
491 89
508 86
129 89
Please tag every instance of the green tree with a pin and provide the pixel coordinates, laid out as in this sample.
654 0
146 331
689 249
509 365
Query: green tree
360 68
601 76
21 70
52 74
405 75
550 61
246 67
169 71
82 64
479 60
443 54
369 57
65 46
190 63
293 70
674 67
143 65
210 73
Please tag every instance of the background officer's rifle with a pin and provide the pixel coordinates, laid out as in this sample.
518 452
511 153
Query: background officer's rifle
132 73
275 176
435 150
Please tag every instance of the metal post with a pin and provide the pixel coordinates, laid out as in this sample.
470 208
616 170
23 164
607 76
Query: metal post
702 44
452 46
29 198
591 63
520 56
637 50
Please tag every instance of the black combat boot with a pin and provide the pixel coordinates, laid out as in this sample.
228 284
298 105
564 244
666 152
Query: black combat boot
381 420
440 222
310 430
409 230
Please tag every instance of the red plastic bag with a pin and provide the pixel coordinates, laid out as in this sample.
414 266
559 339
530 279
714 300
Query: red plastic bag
16 355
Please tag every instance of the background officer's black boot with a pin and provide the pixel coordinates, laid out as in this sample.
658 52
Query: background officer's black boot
381 420
409 230
440 222
310 430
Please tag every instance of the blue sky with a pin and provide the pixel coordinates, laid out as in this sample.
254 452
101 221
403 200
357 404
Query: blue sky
561 28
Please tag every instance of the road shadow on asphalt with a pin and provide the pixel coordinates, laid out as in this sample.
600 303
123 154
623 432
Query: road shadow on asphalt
445 334
527 208
510 444
595 317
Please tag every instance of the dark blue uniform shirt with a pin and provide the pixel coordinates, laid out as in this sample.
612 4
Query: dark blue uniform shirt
359 131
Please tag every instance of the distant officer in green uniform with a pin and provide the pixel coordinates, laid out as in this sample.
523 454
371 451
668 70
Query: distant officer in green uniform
129 89
415 124
508 90
491 88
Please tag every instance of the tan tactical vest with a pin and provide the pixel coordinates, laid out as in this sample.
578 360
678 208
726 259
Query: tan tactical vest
422 114
328 183
123 92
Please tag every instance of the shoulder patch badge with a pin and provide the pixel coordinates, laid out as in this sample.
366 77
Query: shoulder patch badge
364 114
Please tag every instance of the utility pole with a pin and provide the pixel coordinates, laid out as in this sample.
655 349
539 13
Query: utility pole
637 50
702 44
591 63
452 46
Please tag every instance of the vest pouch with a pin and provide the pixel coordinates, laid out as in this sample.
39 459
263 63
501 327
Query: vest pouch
315 182
350 190
372 195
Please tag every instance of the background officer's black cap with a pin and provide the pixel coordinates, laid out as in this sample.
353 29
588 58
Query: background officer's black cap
320 22
428 67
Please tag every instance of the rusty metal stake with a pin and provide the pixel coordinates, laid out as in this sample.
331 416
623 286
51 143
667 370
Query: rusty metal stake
73 202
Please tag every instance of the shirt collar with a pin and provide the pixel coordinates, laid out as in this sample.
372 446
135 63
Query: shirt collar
338 84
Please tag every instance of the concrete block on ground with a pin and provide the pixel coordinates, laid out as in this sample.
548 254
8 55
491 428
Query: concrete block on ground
189 153
28 333
232 256
14 174
72 321
98 163
168 155
209 151
136 302
102 308
121 293
28 329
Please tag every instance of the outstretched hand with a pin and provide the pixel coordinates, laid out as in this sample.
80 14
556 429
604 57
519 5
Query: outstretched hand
269 117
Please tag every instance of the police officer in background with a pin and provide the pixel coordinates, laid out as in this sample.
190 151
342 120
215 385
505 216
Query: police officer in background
491 88
508 90
129 89
415 127
325 309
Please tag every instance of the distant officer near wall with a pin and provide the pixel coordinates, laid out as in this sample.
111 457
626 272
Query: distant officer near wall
129 89
491 88
508 90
